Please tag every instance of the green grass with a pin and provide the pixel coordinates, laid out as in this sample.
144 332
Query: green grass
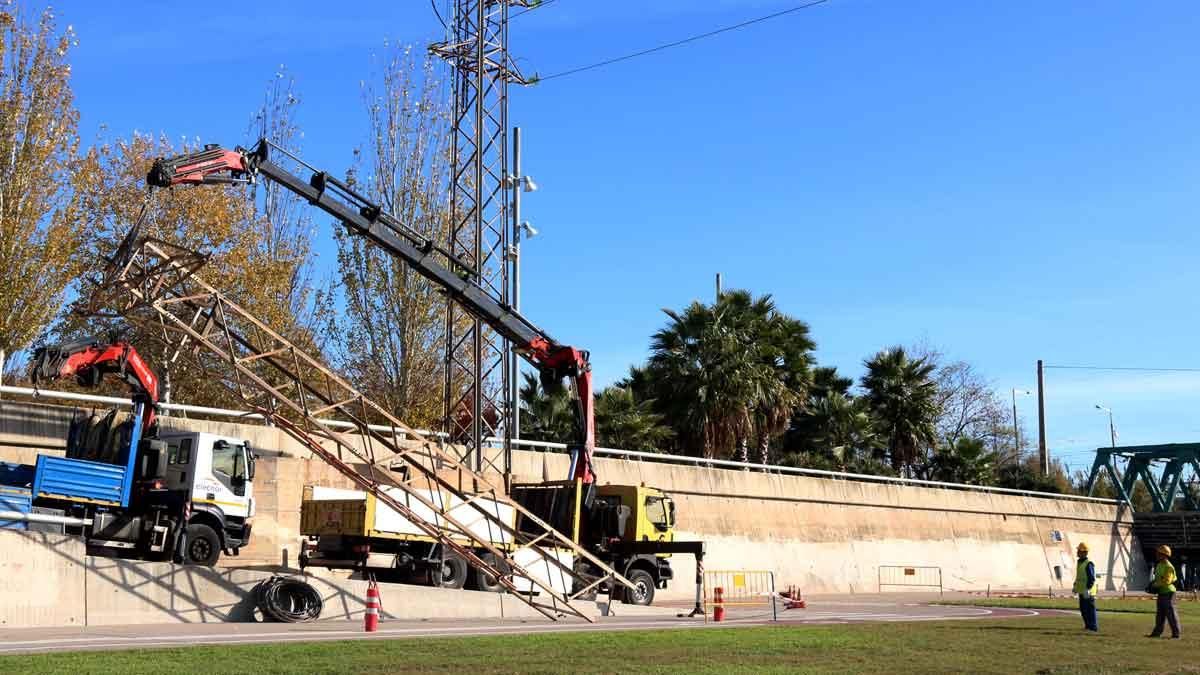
1041 645
1187 607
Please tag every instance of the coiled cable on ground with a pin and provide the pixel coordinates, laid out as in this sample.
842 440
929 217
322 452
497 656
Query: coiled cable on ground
288 600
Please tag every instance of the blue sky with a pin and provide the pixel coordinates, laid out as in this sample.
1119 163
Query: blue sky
1005 181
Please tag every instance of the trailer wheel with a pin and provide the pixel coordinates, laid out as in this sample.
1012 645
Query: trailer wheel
452 573
203 545
485 581
643 588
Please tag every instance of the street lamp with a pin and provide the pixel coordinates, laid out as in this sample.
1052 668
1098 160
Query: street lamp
1016 425
1112 429
520 229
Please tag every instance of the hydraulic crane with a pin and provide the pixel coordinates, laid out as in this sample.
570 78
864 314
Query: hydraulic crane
553 360
87 361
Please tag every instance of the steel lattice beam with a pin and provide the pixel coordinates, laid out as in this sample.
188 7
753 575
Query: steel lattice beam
478 372
154 284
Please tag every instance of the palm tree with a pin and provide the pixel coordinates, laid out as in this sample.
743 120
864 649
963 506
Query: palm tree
727 371
967 461
546 415
902 396
622 421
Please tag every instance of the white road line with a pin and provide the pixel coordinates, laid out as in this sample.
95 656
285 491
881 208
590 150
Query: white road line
318 634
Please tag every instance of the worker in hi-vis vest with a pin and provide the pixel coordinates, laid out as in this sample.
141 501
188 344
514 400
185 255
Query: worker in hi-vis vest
1164 586
1085 588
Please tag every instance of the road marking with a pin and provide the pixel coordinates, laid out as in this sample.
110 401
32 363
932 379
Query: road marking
312 633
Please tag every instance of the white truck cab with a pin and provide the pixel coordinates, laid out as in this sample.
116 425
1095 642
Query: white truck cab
215 474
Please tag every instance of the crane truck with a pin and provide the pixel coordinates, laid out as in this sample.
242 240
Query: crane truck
630 526
125 488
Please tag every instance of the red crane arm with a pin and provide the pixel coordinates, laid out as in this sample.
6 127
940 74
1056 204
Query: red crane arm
88 361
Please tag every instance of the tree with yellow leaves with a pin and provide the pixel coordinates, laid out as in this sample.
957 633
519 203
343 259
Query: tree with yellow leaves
39 233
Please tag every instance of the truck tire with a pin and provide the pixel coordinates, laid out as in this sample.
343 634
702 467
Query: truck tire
643 593
485 581
203 546
452 573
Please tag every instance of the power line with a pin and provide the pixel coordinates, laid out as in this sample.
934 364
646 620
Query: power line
1144 370
677 43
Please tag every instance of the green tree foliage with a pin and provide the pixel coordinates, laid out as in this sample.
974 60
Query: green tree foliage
1026 475
391 336
726 372
902 397
40 231
622 421
966 461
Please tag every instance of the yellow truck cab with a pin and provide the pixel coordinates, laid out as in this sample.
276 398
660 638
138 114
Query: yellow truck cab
652 512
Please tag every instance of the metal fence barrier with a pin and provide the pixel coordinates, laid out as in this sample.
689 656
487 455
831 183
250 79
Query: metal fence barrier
741 588
910 575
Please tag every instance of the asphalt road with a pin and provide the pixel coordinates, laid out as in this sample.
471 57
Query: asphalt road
13 641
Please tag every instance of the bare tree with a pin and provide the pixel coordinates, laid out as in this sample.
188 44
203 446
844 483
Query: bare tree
969 406
39 234
284 221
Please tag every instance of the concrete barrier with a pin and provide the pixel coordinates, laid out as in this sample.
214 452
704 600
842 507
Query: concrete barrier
825 535
46 580
41 580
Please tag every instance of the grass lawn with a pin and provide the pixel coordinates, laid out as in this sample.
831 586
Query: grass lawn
1033 645
1187 607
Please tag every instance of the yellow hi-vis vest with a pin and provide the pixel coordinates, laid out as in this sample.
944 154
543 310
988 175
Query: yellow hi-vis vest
1081 587
1164 577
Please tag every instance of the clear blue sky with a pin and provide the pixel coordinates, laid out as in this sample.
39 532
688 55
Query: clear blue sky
1006 181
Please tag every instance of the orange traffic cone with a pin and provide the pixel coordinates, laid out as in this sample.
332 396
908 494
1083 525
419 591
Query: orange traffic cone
371 618
795 599
718 604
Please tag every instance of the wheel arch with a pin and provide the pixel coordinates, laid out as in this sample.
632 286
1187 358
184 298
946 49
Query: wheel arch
206 514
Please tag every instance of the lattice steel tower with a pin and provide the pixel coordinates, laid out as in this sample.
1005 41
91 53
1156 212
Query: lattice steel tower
478 373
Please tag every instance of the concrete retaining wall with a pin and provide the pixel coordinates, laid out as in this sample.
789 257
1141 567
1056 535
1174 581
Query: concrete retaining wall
46 580
825 535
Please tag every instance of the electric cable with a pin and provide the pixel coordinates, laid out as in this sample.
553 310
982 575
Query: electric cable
678 43
288 600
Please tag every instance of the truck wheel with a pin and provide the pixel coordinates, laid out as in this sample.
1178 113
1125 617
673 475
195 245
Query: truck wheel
203 545
485 581
453 572
643 588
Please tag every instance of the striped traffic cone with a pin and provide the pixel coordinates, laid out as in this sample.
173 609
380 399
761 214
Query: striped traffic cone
371 618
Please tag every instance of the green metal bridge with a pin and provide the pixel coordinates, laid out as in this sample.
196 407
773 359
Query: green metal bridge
1168 491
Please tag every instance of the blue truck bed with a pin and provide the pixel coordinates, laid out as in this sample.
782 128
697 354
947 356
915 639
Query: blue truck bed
77 480
82 480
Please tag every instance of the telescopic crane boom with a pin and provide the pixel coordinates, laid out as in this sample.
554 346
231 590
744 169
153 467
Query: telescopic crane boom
553 360
87 361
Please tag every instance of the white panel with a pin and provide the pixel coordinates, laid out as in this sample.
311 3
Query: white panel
543 569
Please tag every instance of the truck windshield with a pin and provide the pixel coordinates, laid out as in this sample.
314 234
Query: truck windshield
656 513
228 459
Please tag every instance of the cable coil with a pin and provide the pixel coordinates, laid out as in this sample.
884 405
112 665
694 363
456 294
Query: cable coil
288 600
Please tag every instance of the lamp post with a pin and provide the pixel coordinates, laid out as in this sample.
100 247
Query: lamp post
1016 425
1112 429
520 228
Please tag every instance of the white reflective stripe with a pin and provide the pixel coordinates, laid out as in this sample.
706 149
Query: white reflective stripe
373 610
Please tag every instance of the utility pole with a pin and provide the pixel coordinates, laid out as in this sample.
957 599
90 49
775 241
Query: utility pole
514 368
718 285
1043 453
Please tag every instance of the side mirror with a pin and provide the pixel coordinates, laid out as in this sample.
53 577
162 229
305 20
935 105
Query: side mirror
251 460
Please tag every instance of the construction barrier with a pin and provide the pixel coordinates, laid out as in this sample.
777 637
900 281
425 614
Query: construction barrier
910 575
371 616
741 588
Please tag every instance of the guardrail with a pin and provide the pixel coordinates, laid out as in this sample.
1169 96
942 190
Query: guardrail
244 415
914 576
741 588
